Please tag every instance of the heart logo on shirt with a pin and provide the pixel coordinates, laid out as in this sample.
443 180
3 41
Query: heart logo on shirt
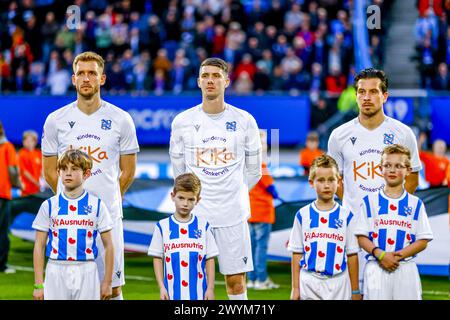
408 237
339 249
184 263
390 241
338 267
55 234
200 257
307 248
200 275
72 208
88 251
167 259
72 241
323 220
374 235
55 251
321 254
89 234
184 283
71 259
393 207
183 231
169 276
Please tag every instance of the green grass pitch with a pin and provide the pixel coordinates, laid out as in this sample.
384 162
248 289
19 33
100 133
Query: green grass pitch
141 284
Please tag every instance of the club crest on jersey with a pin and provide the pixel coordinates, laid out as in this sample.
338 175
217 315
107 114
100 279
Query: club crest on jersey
106 124
198 233
408 210
71 124
338 223
87 209
388 138
353 140
231 126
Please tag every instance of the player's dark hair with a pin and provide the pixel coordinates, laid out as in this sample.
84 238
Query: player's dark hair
323 161
187 182
77 158
216 62
371 73
398 149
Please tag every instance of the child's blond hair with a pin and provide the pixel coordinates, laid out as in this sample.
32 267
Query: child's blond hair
187 182
397 149
323 161
77 158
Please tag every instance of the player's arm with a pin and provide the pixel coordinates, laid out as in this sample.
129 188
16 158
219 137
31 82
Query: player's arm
49 165
38 262
412 182
353 271
127 165
340 188
106 286
387 260
295 271
158 267
176 150
210 275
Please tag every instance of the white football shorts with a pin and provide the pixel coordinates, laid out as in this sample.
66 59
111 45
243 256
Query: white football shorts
317 287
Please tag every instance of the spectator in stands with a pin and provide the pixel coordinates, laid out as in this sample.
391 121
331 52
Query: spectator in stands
5 73
267 60
162 63
262 78
260 223
277 79
234 42
181 65
21 83
9 178
436 163
442 79
335 82
59 81
294 17
65 39
243 83
310 152
30 164
116 80
32 36
119 35
245 65
427 59
321 111
218 45
37 77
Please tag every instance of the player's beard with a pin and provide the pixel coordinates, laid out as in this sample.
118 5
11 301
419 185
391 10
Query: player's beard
89 94
371 113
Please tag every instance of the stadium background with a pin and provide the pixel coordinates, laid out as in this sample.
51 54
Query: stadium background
292 65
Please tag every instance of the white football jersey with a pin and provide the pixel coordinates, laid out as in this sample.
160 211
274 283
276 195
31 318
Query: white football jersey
215 149
393 224
73 226
357 152
104 135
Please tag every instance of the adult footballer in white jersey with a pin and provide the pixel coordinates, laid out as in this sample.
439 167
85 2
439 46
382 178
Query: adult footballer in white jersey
357 145
220 144
108 135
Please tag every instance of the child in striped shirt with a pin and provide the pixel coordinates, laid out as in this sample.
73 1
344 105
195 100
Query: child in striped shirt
67 226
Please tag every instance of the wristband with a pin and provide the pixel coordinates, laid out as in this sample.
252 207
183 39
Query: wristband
356 292
39 286
381 256
373 251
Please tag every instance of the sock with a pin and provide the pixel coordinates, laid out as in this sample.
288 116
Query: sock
242 296
119 297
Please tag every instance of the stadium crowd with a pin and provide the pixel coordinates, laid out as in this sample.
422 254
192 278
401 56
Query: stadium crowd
157 46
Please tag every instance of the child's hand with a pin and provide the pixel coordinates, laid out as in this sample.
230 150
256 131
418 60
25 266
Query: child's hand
357 296
38 294
209 294
105 291
163 295
390 261
295 294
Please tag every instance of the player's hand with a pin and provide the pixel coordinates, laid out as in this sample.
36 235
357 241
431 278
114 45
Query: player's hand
105 291
390 261
38 294
356 296
209 294
163 295
295 294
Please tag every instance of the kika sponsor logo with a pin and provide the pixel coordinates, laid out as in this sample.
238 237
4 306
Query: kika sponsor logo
59 222
309 236
96 154
214 138
213 156
182 245
389 222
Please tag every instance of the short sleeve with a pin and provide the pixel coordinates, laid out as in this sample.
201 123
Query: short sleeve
334 151
296 238
42 220
351 241
252 138
104 219
176 146
211 246
156 245
423 230
362 224
49 137
411 144
128 139
11 155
